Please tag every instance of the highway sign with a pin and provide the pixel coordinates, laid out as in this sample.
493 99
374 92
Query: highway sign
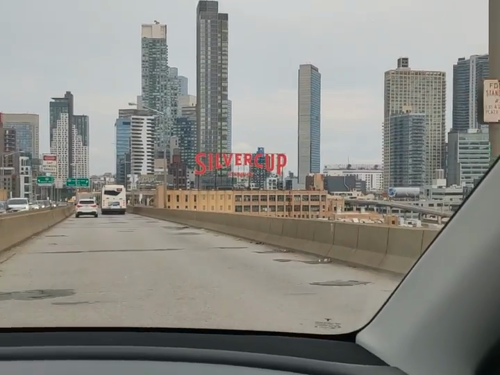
45 181
78 182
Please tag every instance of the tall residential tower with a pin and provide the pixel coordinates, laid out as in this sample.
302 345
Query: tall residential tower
420 92
212 80
69 140
155 80
309 128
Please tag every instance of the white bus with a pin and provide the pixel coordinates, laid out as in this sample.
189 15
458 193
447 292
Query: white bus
113 199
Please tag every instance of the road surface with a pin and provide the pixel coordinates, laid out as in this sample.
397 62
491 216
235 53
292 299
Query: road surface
137 271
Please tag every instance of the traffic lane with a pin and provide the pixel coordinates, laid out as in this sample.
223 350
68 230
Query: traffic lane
137 271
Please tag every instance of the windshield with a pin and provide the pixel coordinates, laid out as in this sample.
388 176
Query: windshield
86 201
112 193
12 202
281 166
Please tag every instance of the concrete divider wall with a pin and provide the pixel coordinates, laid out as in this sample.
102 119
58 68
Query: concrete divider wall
382 247
15 228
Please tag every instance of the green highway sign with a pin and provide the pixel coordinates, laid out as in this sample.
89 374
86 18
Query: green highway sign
78 182
45 180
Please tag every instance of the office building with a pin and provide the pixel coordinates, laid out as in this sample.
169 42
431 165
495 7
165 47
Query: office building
258 176
230 126
155 80
419 92
183 86
370 173
174 91
468 156
27 131
212 85
408 150
123 147
185 132
468 75
69 140
309 121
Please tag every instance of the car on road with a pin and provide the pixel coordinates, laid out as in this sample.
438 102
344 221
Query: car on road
87 206
18 204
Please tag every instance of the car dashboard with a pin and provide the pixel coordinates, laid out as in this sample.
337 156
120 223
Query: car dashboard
152 353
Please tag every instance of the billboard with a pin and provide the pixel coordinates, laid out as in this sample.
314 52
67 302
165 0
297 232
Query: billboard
209 162
491 101
49 164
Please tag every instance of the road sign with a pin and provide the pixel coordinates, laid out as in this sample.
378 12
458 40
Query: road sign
78 182
45 181
491 100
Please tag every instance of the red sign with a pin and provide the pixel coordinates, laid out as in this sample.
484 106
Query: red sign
49 157
210 162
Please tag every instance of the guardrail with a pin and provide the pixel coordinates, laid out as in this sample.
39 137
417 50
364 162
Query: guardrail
381 247
18 227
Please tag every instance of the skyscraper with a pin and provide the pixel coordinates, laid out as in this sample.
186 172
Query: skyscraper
416 91
69 140
123 149
467 77
212 79
174 93
27 131
309 118
184 86
407 139
155 80
81 165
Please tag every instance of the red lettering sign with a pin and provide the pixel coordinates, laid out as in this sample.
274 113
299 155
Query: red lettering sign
210 162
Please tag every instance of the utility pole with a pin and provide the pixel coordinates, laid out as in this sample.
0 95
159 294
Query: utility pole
494 57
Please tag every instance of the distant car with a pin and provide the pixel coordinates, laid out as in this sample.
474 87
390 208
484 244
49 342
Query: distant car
86 207
18 204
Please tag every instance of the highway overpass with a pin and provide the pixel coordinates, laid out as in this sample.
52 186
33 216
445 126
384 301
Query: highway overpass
156 267
399 205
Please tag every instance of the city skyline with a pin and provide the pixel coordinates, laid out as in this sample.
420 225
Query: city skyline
351 117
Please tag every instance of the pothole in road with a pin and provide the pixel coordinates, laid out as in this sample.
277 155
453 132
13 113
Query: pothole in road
33 295
272 251
229 247
341 283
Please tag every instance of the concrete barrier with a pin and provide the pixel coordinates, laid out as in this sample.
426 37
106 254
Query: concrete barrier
18 227
381 247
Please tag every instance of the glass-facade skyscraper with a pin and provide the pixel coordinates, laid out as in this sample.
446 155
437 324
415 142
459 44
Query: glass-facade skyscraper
309 118
122 133
155 80
467 77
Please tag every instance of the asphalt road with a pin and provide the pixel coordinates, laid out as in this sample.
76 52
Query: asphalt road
141 272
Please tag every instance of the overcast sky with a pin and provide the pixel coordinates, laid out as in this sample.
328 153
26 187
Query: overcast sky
92 48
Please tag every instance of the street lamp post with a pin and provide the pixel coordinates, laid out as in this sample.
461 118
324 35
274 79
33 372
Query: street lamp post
164 155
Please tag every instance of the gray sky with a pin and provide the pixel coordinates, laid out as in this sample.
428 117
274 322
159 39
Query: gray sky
92 48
